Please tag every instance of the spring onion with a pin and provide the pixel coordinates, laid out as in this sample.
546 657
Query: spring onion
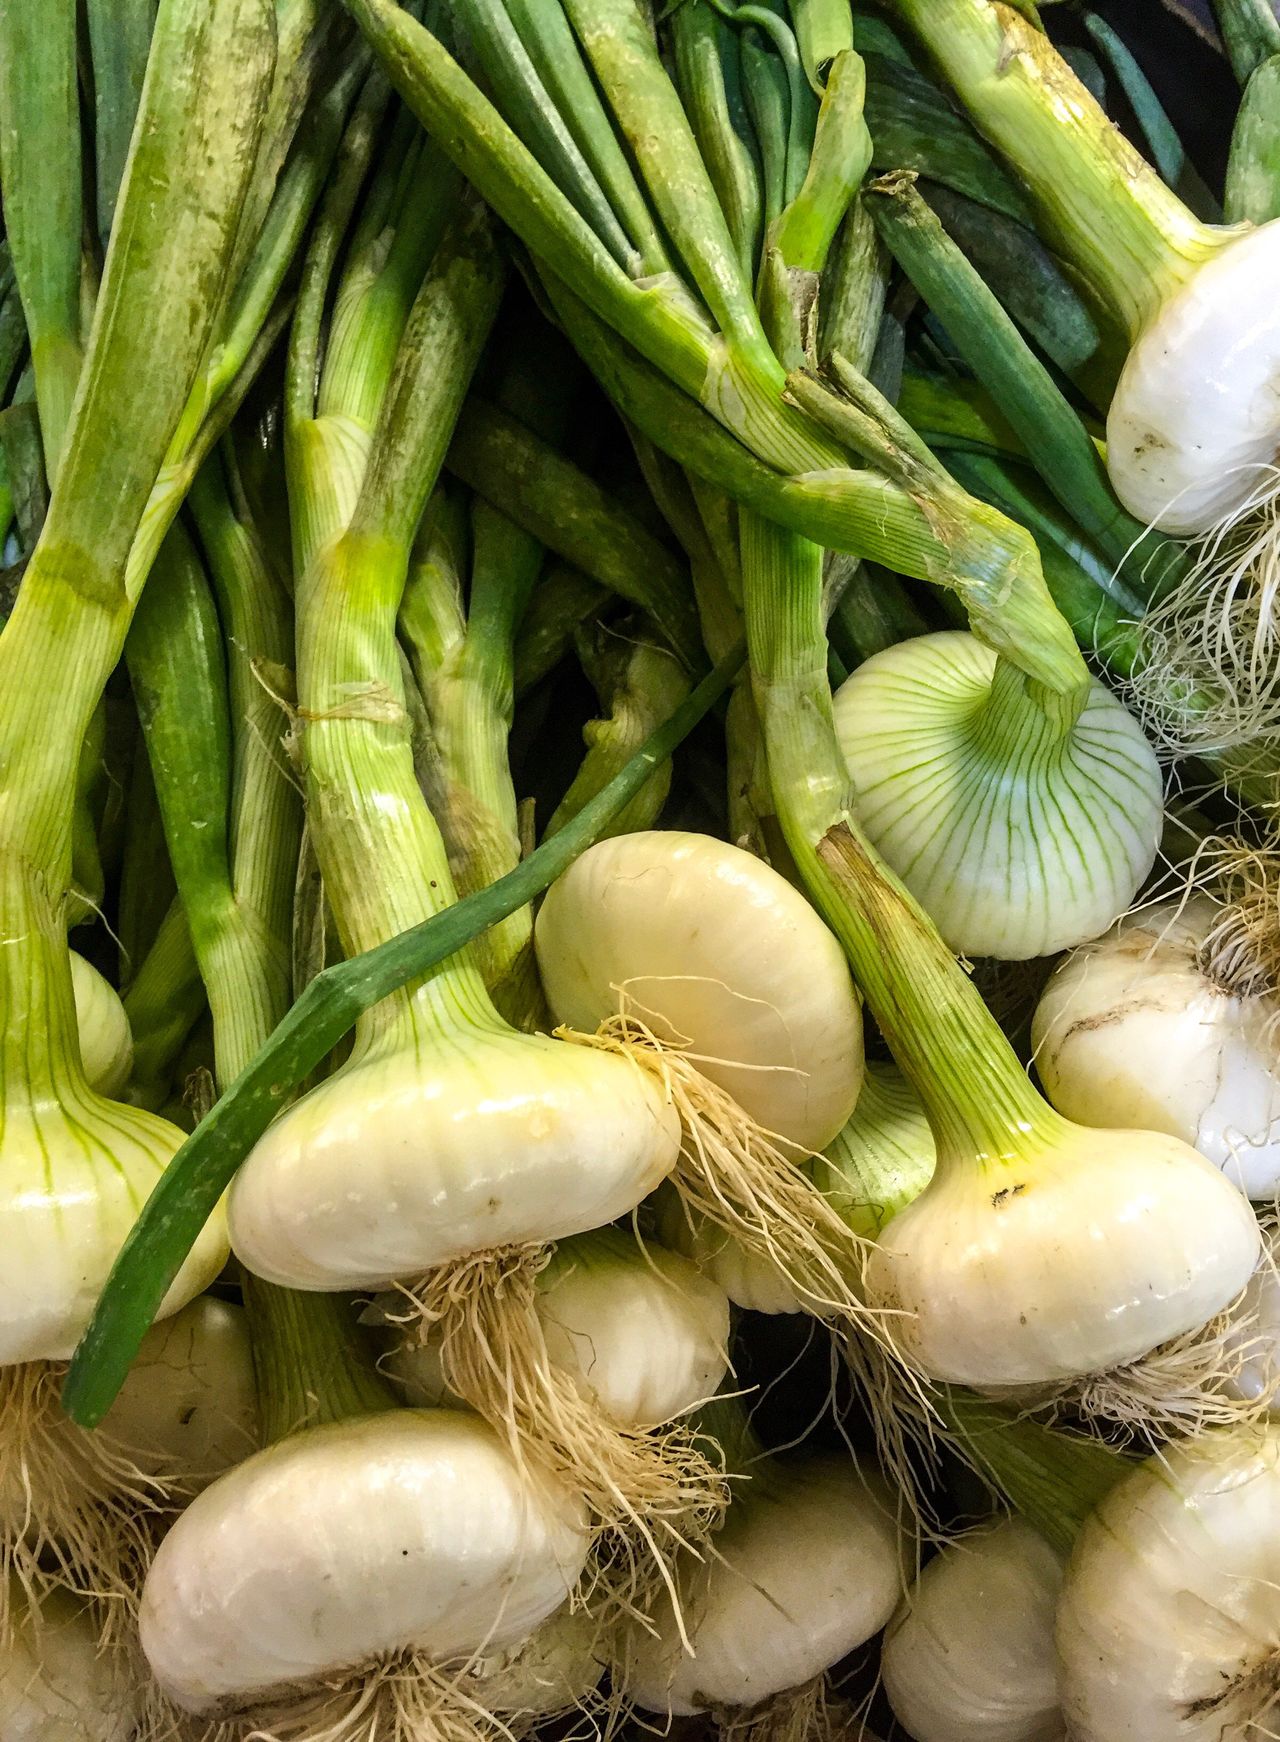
1021 829
102 1025
1191 418
1168 1023
56 1683
969 1656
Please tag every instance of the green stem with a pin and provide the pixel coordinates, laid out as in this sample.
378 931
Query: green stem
1104 209
318 1020
1053 1479
568 512
1253 171
163 1002
1251 32
40 165
309 1360
974 1089
119 41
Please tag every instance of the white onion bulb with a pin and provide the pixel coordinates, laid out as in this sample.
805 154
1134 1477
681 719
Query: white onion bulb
412 1528
808 1565
1137 1029
401 1162
969 1657
188 1408
57 1684
715 951
882 1159
1019 834
1194 412
1169 1621
106 1040
643 1333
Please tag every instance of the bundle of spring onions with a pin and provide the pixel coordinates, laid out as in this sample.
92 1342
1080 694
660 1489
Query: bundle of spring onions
639 876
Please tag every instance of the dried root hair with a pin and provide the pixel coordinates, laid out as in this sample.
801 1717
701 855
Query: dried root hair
745 1180
75 1510
1180 1388
1241 953
652 1491
812 1712
1209 677
404 1698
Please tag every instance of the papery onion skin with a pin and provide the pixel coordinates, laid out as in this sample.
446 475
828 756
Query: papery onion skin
1084 1252
807 1567
409 1528
106 1041
56 1682
188 1406
1169 1622
714 950
969 1657
1132 1030
1016 838
394 1166
1194 414
557 1666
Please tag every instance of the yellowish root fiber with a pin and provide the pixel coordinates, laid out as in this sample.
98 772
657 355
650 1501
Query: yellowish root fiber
742 1179
811 1712
75 1510
652 1491
405 1698
1209 679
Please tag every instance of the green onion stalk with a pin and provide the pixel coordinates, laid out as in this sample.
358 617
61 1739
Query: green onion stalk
690 322
209 75
487 1143
1026 1187
1191 431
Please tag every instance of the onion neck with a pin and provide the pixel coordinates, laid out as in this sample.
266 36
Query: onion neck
1107 210
309 1363
980 1104
1053 1479
382 856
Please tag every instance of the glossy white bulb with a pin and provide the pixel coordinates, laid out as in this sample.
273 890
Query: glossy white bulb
969 1657
1136 1030
413 1528
106 1040
399 1163
809 1564
714 951
1017 838
75 1180
1195 410
1169 1621
1076 1254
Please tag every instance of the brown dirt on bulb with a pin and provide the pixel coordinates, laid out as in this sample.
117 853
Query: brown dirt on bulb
402 1699
808 1713
653 1492
75 1510
745 1180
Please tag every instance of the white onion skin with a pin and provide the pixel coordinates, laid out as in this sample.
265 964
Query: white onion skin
56 1684
1082 1252
716 951
1194 412
969 1657
75 1185
393 1166
409 1528
188 1408
106 1040
1171 1598
1130 1031
1016 845
809 1564
641 1331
